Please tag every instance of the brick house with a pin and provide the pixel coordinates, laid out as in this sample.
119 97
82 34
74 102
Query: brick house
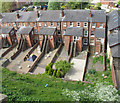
27 33
51 34
8 36
61 19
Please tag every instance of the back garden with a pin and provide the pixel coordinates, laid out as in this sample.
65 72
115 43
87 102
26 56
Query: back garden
43 87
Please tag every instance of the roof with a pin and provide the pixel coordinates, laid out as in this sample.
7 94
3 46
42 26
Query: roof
5 30
115 51
49 15
113 19
47 31
83 15
74 31
24 30
55 15
114 38
100 33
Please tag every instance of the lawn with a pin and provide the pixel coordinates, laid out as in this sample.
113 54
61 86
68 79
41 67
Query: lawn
27 87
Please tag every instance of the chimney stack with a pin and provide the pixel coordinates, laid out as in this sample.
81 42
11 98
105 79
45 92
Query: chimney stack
90 15
62 13
37 14
17 15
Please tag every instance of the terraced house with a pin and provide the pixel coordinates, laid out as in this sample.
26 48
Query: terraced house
89 25
114 45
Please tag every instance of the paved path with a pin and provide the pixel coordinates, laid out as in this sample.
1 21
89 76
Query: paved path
76 73
40 68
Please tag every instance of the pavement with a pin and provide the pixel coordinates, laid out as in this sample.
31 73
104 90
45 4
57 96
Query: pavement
76 73
40 68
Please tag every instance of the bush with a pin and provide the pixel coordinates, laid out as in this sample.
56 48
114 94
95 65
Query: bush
46 69
95 59
54 73
92 71
58 74
50 71
50 65
30 9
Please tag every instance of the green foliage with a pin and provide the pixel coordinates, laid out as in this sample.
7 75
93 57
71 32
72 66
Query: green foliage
92 71
58 74
50 65
39 3
63 66
118 3
30 9
47 69
53 5
6 6
50 71
54 73
95 59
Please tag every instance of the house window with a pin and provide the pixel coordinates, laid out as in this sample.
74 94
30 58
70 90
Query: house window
12 33
92 33
28 24
85 41
39 24
35 31
71 24
23 24
78 24
85 24
14 24
64 24
51 37
5 24
59 32
18 24
51 23
57 24
33 24
9 24
101 25
45 24
93 25
85 33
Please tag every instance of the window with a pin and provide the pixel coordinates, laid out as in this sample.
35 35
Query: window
45 24
93 25
85 33
85 24
35 31
101 25
78 24
59 32
1 24
51 37
12 32
5 24
71 24
85 41
57 24
23 24
28 24
33 24
9 24
39 24
51 23
64 24
18 24
14 24
92 33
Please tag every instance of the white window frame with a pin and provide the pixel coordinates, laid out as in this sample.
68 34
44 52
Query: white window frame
64 24
84 41
85 33
86 24
93 26
39 24
92 33
71 24
51 24
78 23
58 24
101 26
45 24
35 30
14 24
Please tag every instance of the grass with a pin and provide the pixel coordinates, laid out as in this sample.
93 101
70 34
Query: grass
21 87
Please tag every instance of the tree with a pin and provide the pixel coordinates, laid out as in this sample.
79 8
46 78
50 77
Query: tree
54 5
39 3
118 3
6 6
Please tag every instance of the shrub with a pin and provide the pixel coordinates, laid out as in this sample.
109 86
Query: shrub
58 74
92 71
46 69
95 59
50 65
54 73
50 71
30 9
